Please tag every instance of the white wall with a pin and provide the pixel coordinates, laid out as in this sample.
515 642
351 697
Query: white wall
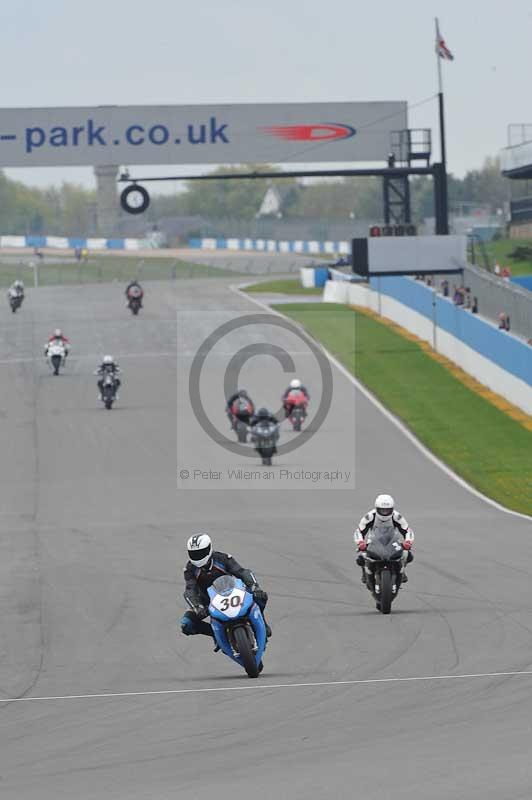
485 371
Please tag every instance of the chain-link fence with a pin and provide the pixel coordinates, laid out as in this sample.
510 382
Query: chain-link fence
495 296
53 270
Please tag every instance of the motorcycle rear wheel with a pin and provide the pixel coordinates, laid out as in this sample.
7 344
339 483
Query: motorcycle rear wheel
243 645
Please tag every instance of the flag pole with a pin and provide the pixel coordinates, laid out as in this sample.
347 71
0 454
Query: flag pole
444 227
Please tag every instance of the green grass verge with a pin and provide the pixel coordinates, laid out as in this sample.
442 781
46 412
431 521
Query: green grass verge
499 250
102 269
282 286
487 448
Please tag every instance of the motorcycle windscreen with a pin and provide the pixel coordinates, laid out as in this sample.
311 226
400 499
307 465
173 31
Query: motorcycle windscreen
386 544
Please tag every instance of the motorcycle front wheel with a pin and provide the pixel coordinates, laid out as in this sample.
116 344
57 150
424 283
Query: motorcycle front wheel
243 645
386 594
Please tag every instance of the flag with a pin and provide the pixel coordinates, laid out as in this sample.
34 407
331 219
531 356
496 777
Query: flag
441 48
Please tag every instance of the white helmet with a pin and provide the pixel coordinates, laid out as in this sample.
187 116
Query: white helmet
384 507
108 360
295 384
199 549
19 284
58 333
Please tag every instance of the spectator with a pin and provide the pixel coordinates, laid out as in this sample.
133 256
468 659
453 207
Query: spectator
506 273
474 307
504 321
497 268
467 303
445 287
77 254
458 297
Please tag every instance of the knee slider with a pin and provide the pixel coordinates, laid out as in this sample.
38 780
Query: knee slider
187 626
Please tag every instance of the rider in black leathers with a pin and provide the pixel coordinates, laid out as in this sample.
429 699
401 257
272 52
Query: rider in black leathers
198 580
241 394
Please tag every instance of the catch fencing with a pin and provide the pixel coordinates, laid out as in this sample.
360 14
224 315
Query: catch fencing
496 295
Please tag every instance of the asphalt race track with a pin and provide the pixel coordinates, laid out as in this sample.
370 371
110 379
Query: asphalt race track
92 548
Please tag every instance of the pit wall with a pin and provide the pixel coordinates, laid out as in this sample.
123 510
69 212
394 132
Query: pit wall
497 359
69 243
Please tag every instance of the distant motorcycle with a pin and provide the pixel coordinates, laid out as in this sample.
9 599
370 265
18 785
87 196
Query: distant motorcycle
384 566
135 305
237 623
265 435
55 355
297 402
108 390
15 301
134 299
239 416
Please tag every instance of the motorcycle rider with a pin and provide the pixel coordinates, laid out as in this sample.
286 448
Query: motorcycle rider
134 289
240 394
383 515
203 567
263 415
294 386
58 337
16 290
109 366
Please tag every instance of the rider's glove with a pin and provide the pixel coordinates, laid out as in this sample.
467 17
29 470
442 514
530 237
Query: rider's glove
407 544
362 544
260 596
202 612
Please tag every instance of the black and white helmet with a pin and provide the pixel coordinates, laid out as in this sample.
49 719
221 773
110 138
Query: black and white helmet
199 549
384 506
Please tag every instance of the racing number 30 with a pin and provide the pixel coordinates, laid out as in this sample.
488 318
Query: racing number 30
233 601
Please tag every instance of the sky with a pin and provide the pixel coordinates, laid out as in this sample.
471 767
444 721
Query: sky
133 52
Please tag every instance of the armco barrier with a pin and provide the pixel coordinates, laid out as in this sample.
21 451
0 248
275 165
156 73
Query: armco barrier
497 359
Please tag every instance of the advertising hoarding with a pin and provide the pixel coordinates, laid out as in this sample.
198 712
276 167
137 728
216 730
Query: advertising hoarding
212 134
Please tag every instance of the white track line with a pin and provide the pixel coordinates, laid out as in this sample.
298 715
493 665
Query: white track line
388 414
266 686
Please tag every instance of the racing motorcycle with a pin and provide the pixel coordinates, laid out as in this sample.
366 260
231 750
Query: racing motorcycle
15 301
237 623
265 435
108 390
240 411
383 566
298 403
134 300
55 355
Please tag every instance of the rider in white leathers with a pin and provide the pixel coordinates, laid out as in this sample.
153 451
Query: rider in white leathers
383 515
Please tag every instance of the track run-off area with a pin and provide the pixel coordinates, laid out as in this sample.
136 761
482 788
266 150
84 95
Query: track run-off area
100 694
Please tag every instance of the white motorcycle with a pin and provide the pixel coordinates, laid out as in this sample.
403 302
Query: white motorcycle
55 355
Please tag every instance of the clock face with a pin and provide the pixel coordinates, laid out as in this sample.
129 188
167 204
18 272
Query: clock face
134 199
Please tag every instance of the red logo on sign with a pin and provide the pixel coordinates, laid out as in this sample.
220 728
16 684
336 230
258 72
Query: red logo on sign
326 132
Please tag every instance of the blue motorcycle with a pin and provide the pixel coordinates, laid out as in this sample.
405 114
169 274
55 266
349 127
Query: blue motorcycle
237 623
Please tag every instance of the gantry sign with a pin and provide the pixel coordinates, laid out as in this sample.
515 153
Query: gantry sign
266 133
216 134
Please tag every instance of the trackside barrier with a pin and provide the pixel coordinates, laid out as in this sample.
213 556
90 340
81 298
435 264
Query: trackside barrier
71 242
497 359
309 247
